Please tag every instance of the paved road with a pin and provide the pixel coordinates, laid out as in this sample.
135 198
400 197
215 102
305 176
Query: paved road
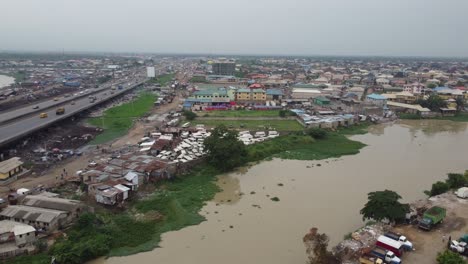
32 122
9 115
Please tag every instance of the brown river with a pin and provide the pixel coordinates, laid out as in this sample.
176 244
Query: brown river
406 157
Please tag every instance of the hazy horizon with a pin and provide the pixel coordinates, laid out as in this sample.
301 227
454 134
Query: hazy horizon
399 28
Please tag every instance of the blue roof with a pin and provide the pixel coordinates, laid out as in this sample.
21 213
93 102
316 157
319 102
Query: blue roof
440 88
196 100
376 97
274 92
211 92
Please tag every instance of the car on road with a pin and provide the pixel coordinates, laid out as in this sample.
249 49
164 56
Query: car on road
72 103
56 99
43 115
36 107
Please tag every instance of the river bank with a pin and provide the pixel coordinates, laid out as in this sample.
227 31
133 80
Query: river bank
244 224
176 204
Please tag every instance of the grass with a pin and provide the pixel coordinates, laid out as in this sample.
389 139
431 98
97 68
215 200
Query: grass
198 79
164 79
459 117
240 113
280 125
177 203
116 121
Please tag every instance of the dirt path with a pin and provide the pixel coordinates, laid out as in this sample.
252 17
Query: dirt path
52 177
141 128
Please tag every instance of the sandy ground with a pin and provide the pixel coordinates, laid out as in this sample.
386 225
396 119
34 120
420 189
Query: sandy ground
428 244
52 177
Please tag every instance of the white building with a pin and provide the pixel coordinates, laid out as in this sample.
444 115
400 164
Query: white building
150 72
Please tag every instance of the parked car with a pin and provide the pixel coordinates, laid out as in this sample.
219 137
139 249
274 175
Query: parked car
36 107
390 244
459 247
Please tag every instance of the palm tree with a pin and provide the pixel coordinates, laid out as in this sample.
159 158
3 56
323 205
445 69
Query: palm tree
460 104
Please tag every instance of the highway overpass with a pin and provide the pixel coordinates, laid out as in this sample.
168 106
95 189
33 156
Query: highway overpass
25 124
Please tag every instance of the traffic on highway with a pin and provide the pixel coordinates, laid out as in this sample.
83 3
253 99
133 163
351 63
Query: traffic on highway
49 113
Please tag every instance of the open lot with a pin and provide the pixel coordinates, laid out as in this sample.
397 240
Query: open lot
280 125
117 120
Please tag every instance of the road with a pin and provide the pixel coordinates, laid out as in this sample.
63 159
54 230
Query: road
32 122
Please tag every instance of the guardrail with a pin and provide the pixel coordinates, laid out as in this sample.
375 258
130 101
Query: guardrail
67 115
66 100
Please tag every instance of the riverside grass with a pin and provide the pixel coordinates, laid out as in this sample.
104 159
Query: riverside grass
180 200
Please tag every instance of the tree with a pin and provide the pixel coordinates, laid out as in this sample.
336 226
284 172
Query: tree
225 151
449 257
384 205
438 188
456 180
189 115
317 133
460 104
434 102
431 85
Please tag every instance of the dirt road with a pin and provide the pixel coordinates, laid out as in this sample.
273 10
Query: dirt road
428 244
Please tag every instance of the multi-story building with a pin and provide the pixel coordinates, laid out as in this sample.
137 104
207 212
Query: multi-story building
223 67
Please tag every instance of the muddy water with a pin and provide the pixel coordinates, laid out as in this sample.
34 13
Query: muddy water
406 157
6 80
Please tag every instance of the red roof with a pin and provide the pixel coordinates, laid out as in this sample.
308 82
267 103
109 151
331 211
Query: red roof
255 86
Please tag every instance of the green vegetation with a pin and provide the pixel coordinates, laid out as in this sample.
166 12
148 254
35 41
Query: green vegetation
104 79
384 205
164 79
453 181
173 207
242 113
239 74
304 147
20 76
433 102
285 113
176 204
449 257
117 120
317 133
280 125
189 115
225 151
198 79
459 117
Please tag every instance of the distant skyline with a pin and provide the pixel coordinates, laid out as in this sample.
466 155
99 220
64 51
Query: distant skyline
420 28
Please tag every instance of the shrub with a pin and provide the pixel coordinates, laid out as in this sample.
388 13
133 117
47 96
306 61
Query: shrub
317 133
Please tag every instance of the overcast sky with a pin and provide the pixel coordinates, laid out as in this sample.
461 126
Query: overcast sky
282 27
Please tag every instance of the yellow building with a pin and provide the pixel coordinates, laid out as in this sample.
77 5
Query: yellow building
243 95
258 95
10 168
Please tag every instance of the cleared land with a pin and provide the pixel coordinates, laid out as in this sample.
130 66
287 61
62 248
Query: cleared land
164 79
116 121
280 125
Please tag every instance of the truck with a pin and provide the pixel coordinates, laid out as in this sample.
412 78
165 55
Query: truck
386 255
60 111
390 244
407 245
432 217
370 259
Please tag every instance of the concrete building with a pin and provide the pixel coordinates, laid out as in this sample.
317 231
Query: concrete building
274 94
10 168
72 207
46 220
377 100
15 239
223 68
303 93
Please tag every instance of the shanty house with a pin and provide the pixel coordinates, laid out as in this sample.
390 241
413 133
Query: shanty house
10 168
46 220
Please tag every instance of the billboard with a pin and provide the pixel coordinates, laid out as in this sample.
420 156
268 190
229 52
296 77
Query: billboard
150 72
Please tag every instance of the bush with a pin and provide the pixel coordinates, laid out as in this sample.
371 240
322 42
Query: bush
317 133
189 115
438 188
456 180
449 257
